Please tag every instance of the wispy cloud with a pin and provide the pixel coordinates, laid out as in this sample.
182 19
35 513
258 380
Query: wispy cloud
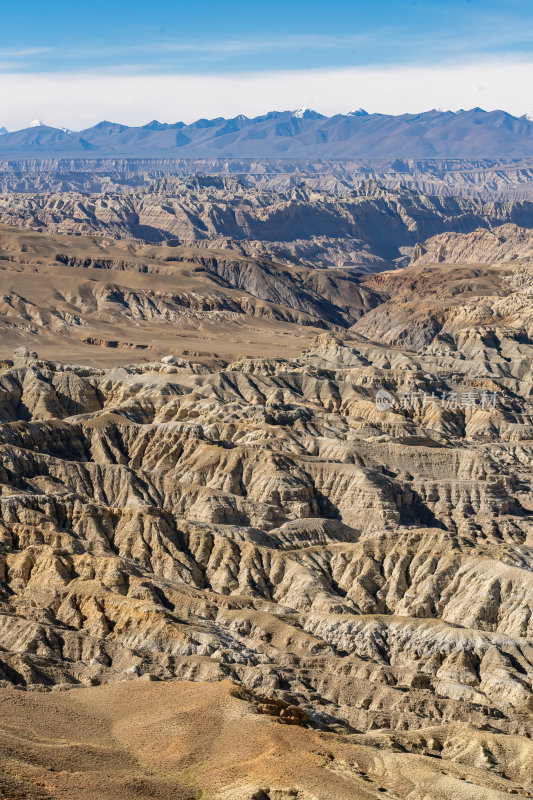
251 45
25 52
490 33
163 48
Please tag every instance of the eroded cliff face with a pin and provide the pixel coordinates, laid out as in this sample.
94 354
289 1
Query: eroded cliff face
472 302
269 524
490 179
505 243
362 223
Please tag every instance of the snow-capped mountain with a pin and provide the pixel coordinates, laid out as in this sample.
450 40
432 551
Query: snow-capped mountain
301 134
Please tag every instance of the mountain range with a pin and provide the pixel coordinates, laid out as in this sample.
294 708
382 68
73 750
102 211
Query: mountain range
301 134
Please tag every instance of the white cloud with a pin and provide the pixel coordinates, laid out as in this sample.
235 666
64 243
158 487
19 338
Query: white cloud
78 100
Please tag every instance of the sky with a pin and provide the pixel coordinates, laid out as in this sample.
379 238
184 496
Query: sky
73 64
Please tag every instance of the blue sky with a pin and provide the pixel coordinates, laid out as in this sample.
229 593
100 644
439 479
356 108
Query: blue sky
66 61
208 35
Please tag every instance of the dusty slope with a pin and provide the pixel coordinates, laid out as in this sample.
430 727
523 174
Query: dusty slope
96 300
180 740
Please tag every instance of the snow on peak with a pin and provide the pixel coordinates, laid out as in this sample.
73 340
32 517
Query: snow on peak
3 131
307 113
358 112
36 123
529 116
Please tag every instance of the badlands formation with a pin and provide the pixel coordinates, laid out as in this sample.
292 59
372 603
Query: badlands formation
265 529
293 220
488 179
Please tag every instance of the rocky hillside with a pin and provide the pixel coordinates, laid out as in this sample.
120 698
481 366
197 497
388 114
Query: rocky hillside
504 243
425 300
455 282
98 298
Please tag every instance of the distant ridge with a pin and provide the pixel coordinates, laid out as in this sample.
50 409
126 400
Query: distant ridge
300 134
